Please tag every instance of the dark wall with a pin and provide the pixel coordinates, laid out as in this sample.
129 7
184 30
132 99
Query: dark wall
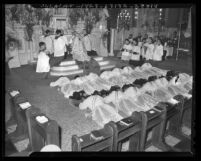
113 17
111 23
173 17
177 15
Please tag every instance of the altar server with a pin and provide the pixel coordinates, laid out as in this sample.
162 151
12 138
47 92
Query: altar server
143 48
59 49
126 51
48 41
150 49
135 51
158 51
66 44
87 43
43 60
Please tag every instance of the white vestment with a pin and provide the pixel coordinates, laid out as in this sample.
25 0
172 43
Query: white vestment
43 63
49 43
78 50
103 49
126 53
158 53
87 43
150 51
137 50
59 47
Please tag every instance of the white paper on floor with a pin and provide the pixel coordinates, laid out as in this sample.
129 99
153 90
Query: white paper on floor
11 128
22 145
152 149
172 141
186 130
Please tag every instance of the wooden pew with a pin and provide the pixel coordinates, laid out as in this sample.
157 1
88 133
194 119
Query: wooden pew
174 117
18 113
99 140
153 120
128 129
41 134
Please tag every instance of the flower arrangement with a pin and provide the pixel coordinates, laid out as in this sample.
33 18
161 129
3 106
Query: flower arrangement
89 16
29 16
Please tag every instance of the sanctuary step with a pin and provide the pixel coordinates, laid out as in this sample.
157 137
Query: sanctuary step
67 68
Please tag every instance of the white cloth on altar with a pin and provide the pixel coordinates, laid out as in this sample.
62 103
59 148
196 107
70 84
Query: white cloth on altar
59 47
150 51
158 53
43 63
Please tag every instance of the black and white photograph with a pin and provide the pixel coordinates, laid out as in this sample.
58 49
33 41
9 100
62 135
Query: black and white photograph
98 78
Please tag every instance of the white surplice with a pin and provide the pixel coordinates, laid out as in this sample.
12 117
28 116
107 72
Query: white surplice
137 50
150 51
49 43
59 47
43 63
158 53
126 53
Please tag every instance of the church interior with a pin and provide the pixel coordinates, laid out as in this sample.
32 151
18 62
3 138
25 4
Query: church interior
98 79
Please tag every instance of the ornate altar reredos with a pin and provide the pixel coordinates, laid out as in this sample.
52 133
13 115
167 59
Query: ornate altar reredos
56 19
